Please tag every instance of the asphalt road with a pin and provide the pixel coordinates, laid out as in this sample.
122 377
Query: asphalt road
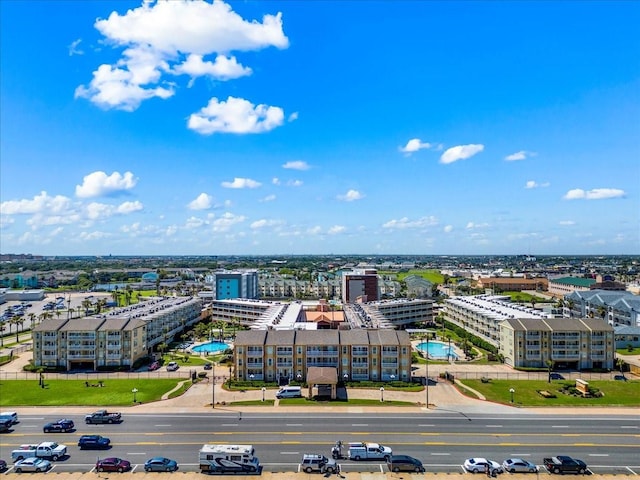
609 444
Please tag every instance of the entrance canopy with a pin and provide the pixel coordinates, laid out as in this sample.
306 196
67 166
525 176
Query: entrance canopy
322 376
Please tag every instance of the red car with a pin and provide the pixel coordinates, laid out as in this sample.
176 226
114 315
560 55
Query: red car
113 464
153 366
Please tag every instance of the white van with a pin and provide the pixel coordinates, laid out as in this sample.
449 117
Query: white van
289 392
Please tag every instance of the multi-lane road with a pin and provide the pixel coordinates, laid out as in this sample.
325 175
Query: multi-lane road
609 444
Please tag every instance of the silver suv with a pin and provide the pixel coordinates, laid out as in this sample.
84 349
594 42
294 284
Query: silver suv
318 463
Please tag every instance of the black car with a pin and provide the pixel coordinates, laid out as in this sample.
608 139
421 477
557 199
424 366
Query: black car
405 463
208 366
93 442
3 465
556 376
63 425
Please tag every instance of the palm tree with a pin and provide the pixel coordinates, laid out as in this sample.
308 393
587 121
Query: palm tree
549 364
32 318
570 303
127 294
620 365
19 321
116 296
86 304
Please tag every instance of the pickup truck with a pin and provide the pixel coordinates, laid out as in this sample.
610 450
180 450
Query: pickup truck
564 464
369 451
49 450
103 416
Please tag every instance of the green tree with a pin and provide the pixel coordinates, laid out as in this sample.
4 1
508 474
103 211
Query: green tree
549 364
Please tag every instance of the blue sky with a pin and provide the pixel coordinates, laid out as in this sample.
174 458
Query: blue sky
311 127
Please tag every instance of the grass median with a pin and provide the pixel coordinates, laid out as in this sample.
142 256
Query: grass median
117 392
558 393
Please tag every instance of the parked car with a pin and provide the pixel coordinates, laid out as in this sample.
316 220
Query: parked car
153 366
514 465
63 425
93 442
113 464
160 464
556 376
172 366
318 463
208 366
3 465
405 463
32 464
479 464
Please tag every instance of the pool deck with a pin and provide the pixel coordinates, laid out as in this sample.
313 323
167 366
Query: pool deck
228 344
457 352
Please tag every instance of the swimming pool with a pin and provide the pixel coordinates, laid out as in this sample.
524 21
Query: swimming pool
210 347
437 350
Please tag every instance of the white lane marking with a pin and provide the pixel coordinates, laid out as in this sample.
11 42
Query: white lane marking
518 455
628 426
598 454
442 454
289 453
493 426
229 424
294 424
559 426
631 471
359 424
137 453
426 425
163 425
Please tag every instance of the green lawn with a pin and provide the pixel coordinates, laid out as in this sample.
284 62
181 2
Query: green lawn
616 393
626 351
360 402
75 392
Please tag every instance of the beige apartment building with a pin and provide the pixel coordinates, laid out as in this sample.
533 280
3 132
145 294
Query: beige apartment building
285 355
115 339
570 343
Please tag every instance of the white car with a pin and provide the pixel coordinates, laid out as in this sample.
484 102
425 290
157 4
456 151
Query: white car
32 464
172 366
479 465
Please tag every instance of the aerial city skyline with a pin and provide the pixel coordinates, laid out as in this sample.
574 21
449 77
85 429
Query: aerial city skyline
231 128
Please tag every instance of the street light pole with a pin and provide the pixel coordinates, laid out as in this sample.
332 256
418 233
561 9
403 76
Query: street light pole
213 388
263 390
134 391
511 391
426 383
382 394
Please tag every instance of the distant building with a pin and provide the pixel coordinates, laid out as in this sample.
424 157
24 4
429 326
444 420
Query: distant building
229 284
607 282
626 336
559 287
570 343
512 284
399 313
360 285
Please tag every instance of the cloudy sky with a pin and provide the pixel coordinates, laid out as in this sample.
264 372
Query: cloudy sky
311 127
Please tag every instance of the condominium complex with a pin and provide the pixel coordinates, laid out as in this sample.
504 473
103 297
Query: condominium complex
570 343
559 287
614 307
271 355
115 339
482 315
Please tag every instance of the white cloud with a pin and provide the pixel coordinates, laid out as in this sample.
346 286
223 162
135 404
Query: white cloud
129 207
295 183
241 183
293 117
448 228
404 223
472 225
460 152
163 38
317 230
262 223
236 115
74 48
194 222
521 155
566 222
414 145
336 229
268 198
41 203
350 196
226 221
201 202
275 181
223 68
98 184
534 184
296 165
595 194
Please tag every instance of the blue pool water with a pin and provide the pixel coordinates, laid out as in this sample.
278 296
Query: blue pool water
437 350
210 347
